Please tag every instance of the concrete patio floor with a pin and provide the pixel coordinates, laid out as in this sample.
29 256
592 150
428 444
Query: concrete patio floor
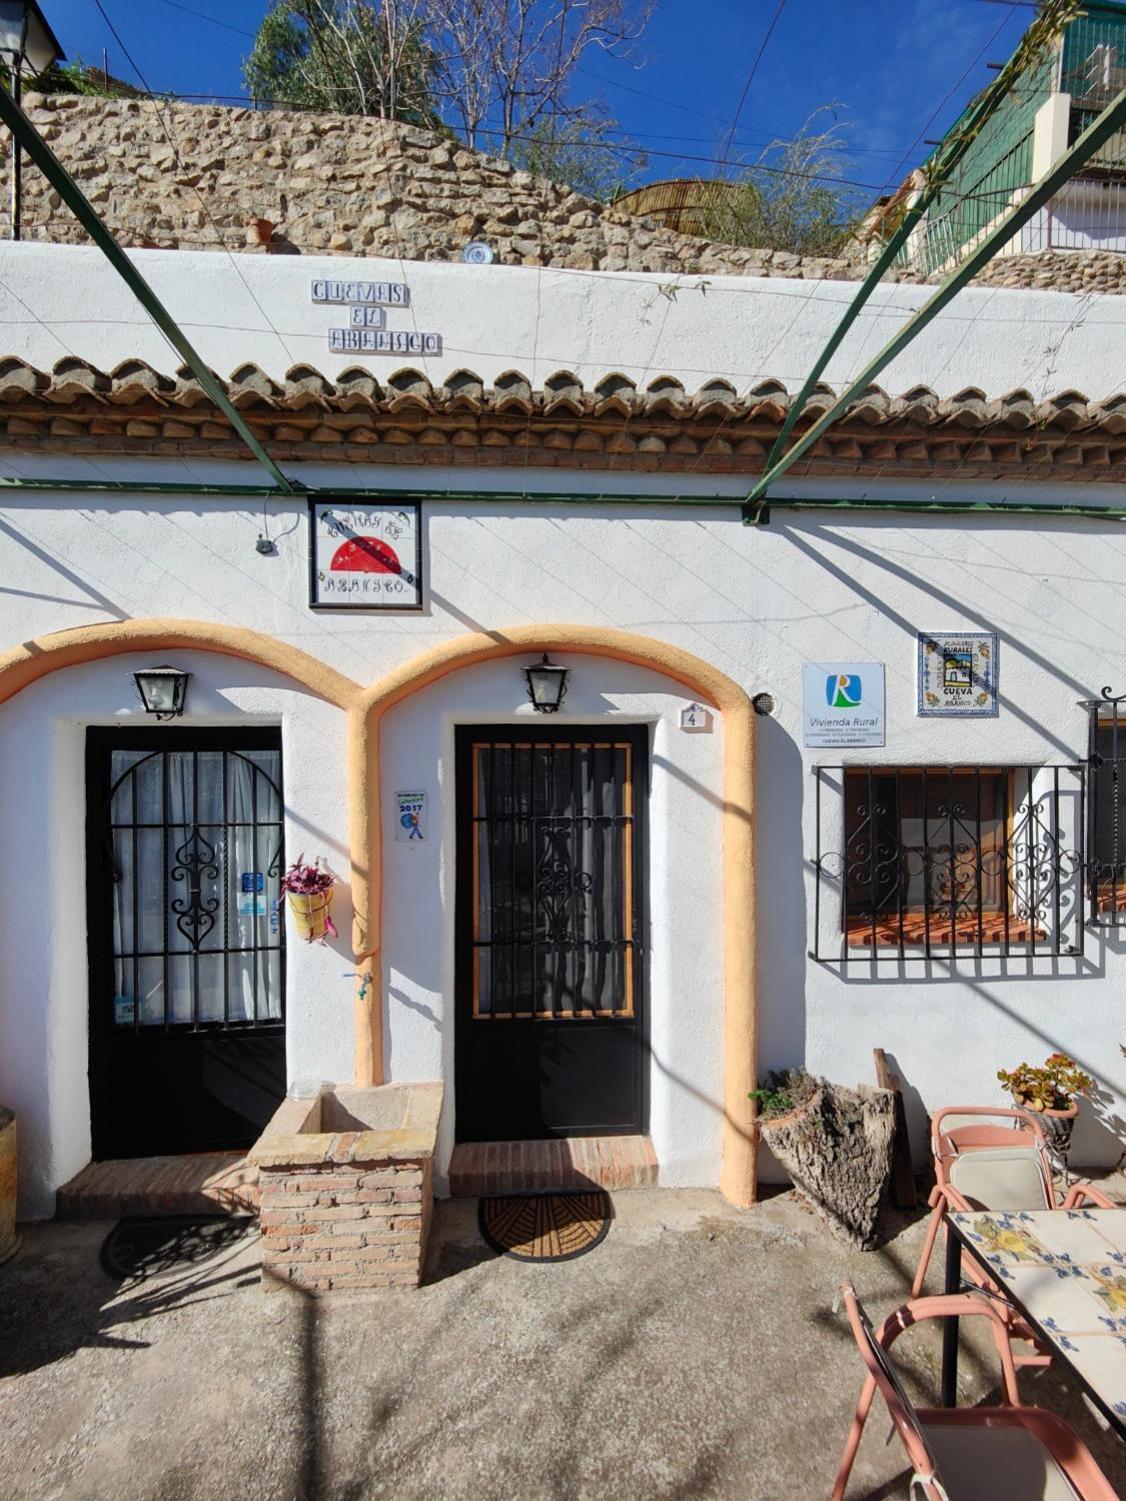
693 1354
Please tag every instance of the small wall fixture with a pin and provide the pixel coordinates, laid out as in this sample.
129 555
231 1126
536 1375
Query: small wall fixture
547 685
163 690
763 703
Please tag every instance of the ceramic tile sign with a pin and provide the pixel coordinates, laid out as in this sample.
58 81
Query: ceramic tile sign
365 555
843 704
696 720
958 674
410 817
368 303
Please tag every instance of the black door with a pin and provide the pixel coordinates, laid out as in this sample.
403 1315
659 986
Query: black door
550 1027
187 958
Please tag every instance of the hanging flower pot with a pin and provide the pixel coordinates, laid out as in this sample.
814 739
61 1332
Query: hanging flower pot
308 890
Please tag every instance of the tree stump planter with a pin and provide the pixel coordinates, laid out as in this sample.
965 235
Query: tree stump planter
837 1150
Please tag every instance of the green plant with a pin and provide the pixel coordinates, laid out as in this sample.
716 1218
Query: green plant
348 56
1055 1085
795 197
783 1090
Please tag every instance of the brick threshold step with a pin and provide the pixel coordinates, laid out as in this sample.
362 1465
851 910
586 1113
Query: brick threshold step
563 1164
196 1183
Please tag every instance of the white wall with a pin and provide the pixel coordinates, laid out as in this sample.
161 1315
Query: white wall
685 976
755 602
43 964
62 300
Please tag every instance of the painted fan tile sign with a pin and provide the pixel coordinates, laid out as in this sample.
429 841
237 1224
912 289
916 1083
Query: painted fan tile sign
365 555
958 674
843 704
365 306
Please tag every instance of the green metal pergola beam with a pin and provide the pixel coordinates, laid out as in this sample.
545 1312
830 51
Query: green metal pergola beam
1100 130
351 492
26 135
509 497
987 106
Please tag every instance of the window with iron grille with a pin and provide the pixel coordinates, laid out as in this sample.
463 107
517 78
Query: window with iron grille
918 862
1106 828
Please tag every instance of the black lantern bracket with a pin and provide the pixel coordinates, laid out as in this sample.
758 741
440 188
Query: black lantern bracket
547 685
163 690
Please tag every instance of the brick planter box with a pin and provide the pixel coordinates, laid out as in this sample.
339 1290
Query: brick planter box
346 1188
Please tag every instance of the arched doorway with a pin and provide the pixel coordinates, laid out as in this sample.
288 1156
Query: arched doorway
705 683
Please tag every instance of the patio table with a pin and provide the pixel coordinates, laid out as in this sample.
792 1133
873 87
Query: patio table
1064 1270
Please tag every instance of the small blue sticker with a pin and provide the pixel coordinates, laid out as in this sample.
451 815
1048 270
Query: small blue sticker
253 880
123 1009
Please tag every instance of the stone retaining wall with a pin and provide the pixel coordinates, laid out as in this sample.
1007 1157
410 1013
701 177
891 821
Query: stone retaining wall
194 177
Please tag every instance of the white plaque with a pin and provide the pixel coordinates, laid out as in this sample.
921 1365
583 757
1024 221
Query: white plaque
843 704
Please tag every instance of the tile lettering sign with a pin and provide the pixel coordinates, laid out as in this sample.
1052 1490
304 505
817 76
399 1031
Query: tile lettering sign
365 555
368 303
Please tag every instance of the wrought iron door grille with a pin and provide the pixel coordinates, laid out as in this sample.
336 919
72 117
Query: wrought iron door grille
920 862
1106 825
555 924
195 840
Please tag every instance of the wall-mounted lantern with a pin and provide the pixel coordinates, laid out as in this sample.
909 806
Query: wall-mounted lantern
163 690
547 685
28 47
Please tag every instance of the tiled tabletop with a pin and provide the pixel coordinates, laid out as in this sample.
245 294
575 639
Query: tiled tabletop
1066 1268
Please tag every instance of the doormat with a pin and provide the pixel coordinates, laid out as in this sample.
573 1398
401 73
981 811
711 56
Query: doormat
545 1227
148 1245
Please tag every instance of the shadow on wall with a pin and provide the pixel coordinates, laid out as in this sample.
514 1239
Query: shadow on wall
781 914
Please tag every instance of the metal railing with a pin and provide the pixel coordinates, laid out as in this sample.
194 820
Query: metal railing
944 862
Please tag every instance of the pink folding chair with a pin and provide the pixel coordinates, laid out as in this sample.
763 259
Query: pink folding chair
1004 1453
993 1158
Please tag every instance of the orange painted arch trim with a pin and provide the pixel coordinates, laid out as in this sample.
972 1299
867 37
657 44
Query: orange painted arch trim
34 659
31 660
738 1177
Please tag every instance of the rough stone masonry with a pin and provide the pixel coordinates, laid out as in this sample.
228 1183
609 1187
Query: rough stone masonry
197 177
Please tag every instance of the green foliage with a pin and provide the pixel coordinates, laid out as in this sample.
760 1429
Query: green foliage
347 56
792 198
577 152
783 1090
78 78
1055 1085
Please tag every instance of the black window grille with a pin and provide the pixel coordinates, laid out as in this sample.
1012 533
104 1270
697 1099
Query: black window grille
192 838
921 862
1106 813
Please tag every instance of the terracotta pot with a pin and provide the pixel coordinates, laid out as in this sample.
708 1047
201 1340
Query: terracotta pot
9 1241
310 913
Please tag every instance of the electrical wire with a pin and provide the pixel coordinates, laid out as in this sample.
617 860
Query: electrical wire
195 188
725 144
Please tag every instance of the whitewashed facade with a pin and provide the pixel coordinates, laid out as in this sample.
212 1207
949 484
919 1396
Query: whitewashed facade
757 603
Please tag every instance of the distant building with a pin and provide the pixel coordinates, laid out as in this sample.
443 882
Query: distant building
1047 111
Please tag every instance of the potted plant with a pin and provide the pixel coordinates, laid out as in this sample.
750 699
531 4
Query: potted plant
1052 1091
835 1143
308 889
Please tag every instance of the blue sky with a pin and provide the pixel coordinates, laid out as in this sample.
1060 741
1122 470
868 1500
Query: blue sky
887 64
